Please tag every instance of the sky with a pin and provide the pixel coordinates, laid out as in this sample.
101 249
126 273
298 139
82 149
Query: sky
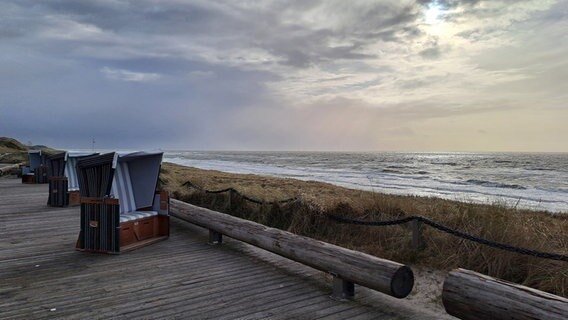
286 75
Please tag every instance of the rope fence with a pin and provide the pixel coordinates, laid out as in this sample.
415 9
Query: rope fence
416 230
243 196
457 233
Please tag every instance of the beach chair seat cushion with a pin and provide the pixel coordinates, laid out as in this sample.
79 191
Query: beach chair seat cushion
125 217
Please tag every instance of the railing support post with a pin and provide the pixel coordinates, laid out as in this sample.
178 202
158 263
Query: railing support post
417 237
230 201
215 237
342 289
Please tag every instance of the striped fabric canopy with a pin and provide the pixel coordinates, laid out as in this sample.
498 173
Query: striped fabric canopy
132 178
135 179
71 159
122 188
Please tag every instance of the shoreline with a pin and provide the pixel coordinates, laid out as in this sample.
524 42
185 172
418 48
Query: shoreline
481 179
288 190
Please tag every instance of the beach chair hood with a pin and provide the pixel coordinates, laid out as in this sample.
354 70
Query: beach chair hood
56 165
132 178
71 159
135 179
36 159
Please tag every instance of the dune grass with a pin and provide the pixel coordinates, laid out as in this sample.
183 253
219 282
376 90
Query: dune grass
308 216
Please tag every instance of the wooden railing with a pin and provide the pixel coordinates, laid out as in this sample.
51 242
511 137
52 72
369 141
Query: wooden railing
466 294
348 267
9 168
474 296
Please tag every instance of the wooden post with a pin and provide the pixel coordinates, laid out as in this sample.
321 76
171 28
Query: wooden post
474 296
417 237
342 289
383 275
231 201
215 237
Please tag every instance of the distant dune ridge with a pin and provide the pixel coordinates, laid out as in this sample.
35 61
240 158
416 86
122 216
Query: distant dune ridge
13 151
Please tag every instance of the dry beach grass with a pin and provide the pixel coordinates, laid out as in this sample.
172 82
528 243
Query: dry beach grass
522 228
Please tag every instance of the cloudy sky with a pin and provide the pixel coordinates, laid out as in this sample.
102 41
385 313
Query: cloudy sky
286 75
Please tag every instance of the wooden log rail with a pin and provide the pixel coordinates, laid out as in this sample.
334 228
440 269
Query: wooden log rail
471 295
347 266
7 169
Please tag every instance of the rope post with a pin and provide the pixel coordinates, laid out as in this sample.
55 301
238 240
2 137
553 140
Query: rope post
215 237
230 200
342 289
417 241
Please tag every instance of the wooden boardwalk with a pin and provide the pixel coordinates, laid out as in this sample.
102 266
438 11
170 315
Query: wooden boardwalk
42 276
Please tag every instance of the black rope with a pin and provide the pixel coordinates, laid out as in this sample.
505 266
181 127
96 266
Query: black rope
433 224
244 197
457 233
371 223
221 191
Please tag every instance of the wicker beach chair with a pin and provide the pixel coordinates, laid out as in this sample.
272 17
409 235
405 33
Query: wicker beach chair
36 171
120 207
62 177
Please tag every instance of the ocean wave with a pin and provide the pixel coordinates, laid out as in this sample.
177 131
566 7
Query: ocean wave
453 164
495 184
540 169
397 167
392 171
460 177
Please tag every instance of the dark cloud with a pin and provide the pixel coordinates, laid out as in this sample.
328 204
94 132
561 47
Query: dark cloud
431 53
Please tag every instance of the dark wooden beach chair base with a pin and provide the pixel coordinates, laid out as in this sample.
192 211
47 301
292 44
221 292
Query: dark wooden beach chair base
140 232
28 179
102 231
58 196
40 175
131 235
74 198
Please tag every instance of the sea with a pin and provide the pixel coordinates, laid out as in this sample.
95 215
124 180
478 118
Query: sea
536 181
